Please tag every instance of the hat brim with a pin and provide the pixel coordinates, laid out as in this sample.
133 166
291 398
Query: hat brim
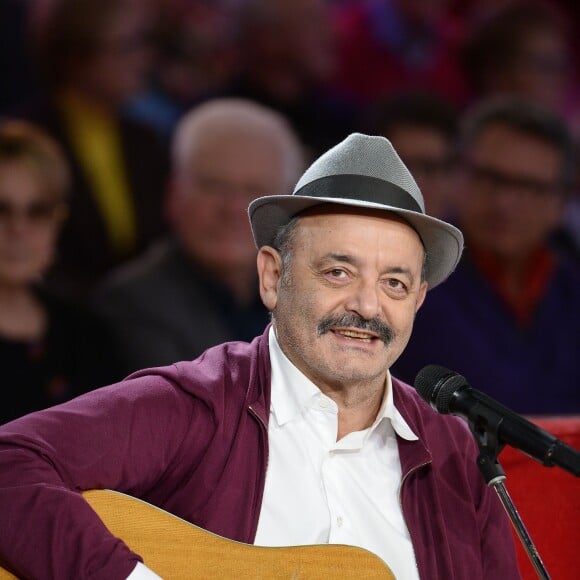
443 242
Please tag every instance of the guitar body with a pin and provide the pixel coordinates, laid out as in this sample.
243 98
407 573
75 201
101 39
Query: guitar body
176 549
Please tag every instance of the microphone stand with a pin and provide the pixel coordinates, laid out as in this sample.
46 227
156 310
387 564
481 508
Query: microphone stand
485 432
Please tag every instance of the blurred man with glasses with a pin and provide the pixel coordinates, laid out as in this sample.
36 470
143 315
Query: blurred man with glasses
509 319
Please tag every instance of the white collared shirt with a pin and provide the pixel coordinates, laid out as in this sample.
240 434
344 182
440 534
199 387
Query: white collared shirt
321 491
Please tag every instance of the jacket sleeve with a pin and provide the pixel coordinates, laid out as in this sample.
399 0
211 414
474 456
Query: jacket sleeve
120 437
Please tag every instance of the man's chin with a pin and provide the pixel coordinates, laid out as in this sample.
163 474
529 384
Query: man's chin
359 365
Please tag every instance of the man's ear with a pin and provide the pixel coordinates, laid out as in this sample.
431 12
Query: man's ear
269 273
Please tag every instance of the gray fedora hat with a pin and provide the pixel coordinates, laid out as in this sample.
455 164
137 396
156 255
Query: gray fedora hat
362 171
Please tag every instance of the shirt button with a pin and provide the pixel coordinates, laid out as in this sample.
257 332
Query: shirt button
323 403
339 521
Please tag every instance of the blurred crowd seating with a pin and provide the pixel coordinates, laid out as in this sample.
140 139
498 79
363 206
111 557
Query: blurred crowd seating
111 79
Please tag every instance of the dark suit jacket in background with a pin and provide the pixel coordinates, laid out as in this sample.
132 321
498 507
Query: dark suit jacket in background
164 309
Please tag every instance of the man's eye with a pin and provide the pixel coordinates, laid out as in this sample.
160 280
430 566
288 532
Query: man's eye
337 273
396 285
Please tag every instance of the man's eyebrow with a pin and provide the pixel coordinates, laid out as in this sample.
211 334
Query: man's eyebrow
400 270
353 260
336 257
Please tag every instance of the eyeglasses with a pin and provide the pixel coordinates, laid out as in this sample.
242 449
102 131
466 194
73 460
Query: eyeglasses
495 180
39 213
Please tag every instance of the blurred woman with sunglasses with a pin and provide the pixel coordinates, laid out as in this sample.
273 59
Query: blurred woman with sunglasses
50 348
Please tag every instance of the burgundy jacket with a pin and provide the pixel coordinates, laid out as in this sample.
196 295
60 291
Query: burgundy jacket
192 439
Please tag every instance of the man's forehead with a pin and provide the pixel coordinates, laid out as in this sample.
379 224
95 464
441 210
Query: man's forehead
346 233
322 214
337 209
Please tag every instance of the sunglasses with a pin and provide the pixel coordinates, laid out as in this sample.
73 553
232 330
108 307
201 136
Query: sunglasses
37 213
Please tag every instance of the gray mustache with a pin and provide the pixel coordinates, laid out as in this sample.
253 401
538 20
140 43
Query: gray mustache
374 325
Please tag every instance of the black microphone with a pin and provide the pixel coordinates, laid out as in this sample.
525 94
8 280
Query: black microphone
449 393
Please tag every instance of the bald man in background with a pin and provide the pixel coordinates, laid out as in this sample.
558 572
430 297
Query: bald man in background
198 286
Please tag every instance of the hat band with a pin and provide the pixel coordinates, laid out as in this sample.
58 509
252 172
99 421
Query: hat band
360 188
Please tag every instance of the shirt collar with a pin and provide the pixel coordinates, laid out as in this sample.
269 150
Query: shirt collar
293 392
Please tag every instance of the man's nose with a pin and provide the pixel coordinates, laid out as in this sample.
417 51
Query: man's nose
365 299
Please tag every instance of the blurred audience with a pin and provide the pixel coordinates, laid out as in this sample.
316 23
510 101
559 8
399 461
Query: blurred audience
50 349
196 56
567 237
16 70
422 128
385 46
198 287
524 49
286 60
508 318
111 79
94 55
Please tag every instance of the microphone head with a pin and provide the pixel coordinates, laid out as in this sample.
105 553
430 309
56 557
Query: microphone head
437 385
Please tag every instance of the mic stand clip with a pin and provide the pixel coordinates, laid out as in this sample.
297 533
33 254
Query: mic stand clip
485 431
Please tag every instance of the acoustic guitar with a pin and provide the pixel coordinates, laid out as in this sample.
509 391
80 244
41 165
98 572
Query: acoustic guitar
178 550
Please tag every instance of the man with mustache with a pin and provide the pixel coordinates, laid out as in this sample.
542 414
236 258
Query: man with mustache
301 436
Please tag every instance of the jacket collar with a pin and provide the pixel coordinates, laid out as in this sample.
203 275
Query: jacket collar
412 454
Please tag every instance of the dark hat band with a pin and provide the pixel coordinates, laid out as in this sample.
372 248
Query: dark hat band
360 188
